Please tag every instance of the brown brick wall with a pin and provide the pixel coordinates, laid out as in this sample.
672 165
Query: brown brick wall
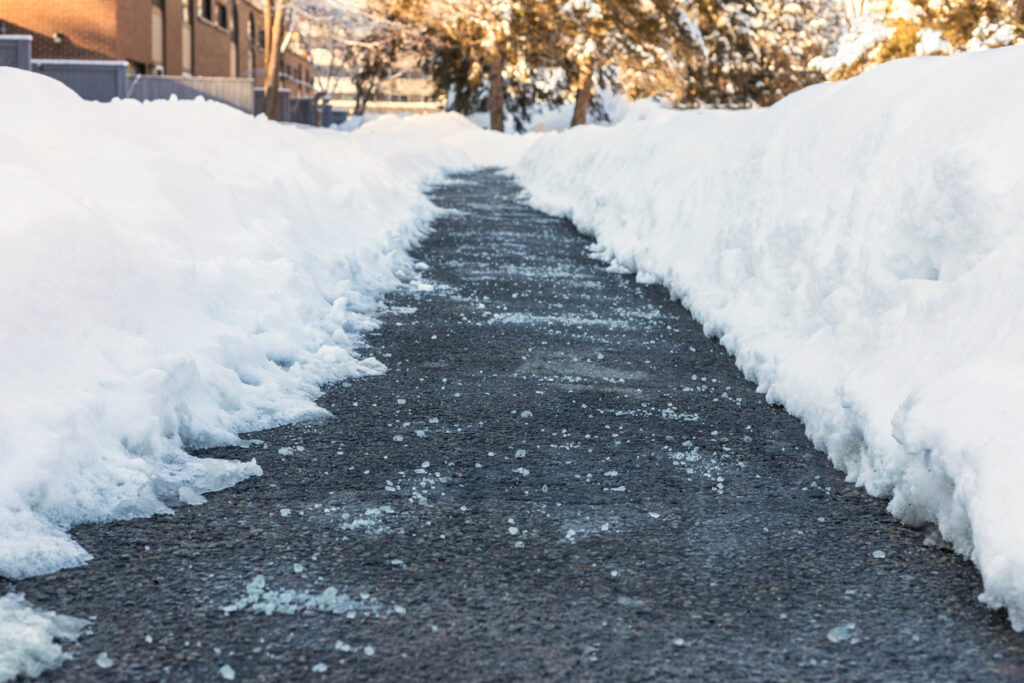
134 19
211 45
172 37
88 26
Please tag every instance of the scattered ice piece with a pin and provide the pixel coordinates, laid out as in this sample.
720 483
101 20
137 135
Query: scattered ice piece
520 544
148 639
679 642
878 554
298 568
841 632
369 651
398 563
189 496
606 526
513 531
399 610
520 453
286 451
425 464
611 473
655 515
285 512
615 573
526 413
433 420
103 661
420 433
401 401
319 668
521 471
398 437
343 646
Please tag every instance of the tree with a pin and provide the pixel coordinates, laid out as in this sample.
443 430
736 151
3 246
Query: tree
351 39
467 39
274 14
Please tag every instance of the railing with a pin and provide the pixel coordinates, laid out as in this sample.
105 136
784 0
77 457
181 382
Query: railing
236 92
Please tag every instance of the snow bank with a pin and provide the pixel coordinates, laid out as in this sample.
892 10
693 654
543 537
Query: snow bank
28 637
173 273
859 247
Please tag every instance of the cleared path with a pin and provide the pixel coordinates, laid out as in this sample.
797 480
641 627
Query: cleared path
559 477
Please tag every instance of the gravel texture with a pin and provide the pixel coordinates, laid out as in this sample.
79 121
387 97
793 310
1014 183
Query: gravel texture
559 477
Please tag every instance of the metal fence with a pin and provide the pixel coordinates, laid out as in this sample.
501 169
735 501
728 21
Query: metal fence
101 80
236 92
16 51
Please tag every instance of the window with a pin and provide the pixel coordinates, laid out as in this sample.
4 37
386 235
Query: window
263 38
206 9
251 28
222 16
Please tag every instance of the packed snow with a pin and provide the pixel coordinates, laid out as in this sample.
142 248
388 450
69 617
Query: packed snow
859 248
174 273
30 638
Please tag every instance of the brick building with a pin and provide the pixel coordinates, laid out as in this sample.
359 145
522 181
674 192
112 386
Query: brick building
175 37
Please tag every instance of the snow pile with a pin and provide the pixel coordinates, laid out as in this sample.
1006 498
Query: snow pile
173 273
28 635
859 247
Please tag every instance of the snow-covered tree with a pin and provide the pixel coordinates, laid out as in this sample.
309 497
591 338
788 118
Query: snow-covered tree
890 29
759 52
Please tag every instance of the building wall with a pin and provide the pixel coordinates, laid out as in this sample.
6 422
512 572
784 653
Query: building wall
172 37
122 29
88 26
211 49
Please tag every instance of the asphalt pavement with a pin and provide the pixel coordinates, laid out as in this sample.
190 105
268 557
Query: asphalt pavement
559 478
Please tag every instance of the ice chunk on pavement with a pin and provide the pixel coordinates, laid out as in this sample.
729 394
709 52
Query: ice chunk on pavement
259 598
841 633
28 637
878 554
103 661
226 672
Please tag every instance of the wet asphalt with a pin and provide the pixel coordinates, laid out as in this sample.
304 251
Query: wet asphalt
559 478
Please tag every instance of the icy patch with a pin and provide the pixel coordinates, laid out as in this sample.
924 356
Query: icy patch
259 598
29 637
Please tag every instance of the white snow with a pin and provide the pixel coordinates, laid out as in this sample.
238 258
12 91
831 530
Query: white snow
859 248
28 637
173 273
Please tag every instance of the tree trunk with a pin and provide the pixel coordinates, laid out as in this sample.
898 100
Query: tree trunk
496 101
584 93
273 29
